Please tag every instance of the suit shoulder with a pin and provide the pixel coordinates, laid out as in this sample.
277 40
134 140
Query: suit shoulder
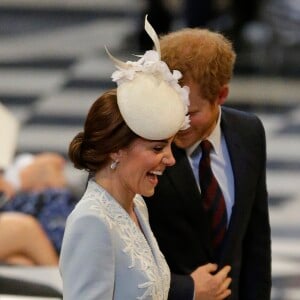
236 116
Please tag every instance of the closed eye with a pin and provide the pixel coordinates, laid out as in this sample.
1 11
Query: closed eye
158 148
192 113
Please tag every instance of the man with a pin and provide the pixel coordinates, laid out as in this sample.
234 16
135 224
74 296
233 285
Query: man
178 216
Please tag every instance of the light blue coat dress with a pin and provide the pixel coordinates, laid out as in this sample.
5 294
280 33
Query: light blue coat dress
106 256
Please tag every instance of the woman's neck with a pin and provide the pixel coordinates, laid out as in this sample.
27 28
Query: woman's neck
114 187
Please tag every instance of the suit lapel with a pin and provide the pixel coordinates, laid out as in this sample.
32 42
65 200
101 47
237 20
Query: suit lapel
182 177
183 180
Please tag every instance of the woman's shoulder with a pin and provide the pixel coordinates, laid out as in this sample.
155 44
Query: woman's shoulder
93 204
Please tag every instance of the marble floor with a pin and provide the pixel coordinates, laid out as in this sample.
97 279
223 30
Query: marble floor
53 66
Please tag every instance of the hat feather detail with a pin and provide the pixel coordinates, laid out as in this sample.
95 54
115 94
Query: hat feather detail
152 34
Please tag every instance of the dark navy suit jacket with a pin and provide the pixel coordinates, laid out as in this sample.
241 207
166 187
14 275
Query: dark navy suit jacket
181 227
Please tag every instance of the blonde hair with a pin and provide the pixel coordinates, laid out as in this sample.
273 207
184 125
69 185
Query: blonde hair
204 56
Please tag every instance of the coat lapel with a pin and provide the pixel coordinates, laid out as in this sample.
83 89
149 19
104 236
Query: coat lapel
183 180
149 236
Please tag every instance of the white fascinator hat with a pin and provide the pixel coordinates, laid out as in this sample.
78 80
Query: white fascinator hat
151 102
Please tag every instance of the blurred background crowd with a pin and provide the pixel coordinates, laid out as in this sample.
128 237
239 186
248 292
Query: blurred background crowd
53 66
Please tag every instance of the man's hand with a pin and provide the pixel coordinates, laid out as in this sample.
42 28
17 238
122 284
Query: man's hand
210 286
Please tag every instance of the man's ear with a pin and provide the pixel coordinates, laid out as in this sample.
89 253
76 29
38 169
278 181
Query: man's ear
223 94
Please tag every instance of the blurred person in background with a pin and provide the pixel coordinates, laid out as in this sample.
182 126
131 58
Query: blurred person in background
36 185
24 242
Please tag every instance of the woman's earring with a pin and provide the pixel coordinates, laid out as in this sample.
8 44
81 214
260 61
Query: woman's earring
114 164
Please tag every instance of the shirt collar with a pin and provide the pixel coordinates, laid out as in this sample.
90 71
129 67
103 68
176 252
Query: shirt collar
214 138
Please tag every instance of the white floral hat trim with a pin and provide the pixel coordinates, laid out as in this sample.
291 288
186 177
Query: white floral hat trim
151 101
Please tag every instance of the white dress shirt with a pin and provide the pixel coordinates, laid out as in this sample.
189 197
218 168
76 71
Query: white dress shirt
220 164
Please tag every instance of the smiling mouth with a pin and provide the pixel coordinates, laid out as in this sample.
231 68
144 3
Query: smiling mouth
153 176
158 173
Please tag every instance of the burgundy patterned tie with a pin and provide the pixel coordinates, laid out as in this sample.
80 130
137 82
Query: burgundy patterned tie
213 199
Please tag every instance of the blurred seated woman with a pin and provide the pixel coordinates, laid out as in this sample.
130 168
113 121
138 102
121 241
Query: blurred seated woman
35 173
24 242
36 185
22 239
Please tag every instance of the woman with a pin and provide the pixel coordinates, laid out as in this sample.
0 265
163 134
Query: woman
109 251
24 242
36 185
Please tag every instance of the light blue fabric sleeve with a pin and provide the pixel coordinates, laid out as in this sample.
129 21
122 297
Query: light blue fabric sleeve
87 259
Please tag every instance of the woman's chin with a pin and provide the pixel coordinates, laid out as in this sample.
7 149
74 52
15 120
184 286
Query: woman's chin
148 193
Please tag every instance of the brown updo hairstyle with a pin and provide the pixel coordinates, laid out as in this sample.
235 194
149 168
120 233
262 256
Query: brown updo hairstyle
104 132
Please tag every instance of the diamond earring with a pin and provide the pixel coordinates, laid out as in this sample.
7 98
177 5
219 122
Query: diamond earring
113 165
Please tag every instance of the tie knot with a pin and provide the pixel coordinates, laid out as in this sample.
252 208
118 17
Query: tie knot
206 146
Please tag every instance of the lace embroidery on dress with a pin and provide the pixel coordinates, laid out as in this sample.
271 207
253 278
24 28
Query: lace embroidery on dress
136 245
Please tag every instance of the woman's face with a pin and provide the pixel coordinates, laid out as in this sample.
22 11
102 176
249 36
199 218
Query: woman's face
141 164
